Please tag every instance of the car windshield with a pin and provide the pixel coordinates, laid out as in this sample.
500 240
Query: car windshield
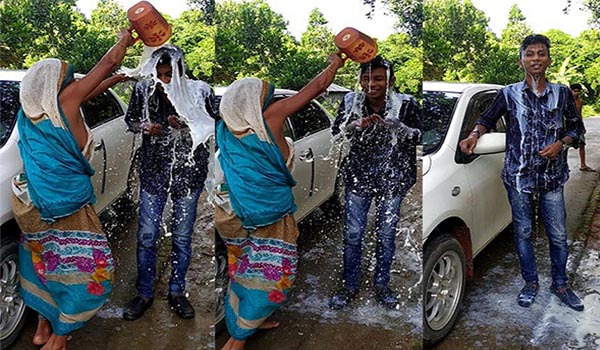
9 106
438 107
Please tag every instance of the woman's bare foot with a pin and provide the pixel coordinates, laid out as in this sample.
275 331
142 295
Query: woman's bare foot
269 325
233 344
56 342
42 333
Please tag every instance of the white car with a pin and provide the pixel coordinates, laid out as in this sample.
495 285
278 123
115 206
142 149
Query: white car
315 171
465 205
112 161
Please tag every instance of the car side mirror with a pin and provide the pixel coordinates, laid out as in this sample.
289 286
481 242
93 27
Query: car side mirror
491 143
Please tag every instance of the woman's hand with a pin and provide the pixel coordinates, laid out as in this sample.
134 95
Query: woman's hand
125 38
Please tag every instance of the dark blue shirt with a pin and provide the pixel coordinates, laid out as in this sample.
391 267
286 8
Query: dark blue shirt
382 158
167 161
534 122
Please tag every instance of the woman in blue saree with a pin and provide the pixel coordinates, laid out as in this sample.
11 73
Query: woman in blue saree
257 222
65 263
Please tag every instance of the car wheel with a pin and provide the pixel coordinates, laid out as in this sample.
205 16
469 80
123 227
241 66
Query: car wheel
12 306
221 282
444 273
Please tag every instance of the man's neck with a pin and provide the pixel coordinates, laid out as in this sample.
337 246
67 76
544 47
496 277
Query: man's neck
377 104
537 83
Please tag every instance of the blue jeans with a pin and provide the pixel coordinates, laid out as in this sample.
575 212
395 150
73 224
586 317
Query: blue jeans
388 215
553 214
184 216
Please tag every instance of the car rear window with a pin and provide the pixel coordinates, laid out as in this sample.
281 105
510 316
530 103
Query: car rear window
438 107
9 107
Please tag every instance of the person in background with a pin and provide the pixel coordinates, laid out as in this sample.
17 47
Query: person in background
383 129
576 91
542 121
169 165
65 263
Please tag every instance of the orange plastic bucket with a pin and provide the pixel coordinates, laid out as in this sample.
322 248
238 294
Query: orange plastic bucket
150 26
356 45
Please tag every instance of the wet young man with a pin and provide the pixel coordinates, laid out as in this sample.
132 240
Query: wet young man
169 165
383 129
542 121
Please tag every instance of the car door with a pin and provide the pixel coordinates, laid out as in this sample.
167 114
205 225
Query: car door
314 170
491 211
113 147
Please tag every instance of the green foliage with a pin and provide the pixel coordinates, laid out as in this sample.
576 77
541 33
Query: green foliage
516 29
197 40
410 17
407 60
455 34
252 41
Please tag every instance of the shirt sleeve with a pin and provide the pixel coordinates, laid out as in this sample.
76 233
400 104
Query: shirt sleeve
133 117
490 116
341 113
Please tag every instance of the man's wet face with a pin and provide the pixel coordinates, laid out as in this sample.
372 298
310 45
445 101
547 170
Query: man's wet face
535 59
375 84
164 73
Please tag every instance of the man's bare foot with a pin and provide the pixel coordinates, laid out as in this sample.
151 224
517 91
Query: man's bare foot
269 325
42 333
233 344
56 342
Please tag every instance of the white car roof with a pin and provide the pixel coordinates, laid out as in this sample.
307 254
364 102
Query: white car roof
456 87
12 75
18 74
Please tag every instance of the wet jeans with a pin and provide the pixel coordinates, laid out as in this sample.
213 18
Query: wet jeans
553 215
184 216
387 217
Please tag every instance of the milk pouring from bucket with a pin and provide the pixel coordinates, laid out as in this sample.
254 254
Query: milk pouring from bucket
149 24
356 45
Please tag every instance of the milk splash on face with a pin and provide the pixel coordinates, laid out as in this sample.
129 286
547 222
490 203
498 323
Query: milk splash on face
187 96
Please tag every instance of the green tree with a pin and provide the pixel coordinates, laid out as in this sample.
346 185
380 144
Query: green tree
197 40
456 39
252 41
31 30
516 29
409 14
407 61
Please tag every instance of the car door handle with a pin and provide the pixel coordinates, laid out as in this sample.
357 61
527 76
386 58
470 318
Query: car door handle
306 156
98 146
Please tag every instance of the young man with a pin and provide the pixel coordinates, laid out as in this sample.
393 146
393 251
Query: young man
383 128
168 165
576 91
542 121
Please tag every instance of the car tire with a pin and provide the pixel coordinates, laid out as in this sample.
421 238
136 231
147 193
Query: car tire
444 275
13 309
221 282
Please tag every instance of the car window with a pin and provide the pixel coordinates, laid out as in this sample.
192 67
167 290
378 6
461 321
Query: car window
309 120
101 109
438 108
478 104
9 107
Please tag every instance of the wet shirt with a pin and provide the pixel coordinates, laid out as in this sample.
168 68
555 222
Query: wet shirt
167 161
382 157
532 124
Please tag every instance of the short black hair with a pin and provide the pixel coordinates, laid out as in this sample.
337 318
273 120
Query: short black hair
575 86
377 62
532 40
